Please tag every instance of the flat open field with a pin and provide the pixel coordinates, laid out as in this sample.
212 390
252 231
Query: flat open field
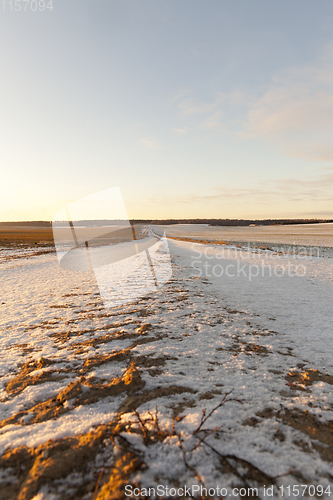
298 234
220 377
302 234
27 236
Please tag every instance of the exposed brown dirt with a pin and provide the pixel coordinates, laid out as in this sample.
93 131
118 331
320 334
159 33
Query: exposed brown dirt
132 402
178 409
53 461
24 347
302 379
23 378
12 236
63 337
248 348
130 382
320 433
204 242
210 394
94 389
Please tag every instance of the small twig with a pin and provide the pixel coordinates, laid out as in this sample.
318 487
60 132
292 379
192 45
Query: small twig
97 484
159 432
234 469
284 474
127 446
142 427
152 418
204 418
197 475
173 427
209 432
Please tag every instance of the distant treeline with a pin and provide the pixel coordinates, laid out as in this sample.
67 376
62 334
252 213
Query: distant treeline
230 222
165 222
46 224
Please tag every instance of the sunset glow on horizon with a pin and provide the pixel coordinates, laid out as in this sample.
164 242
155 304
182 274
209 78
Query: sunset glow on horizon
195 111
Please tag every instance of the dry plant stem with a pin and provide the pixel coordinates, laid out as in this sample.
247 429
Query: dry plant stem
126 446
97 484
159 432
173 427
234 469
149 429
204 418
208 433
146 437
154 419
228 457
192 469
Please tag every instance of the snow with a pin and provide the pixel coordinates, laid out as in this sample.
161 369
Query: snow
316 235
79 421
211 332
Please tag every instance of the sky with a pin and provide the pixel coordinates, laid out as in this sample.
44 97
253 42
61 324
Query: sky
215 109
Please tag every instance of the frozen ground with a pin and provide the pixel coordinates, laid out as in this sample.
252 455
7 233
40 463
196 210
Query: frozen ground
93 399
319 235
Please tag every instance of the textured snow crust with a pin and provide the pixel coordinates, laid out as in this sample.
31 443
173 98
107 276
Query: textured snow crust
204 333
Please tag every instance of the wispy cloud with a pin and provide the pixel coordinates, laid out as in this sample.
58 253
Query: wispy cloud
181 94
316 151
150 142
180 131
317 188
282 111
188 105
295 110
214 122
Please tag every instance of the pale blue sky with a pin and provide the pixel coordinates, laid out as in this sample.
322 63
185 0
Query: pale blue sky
195 109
